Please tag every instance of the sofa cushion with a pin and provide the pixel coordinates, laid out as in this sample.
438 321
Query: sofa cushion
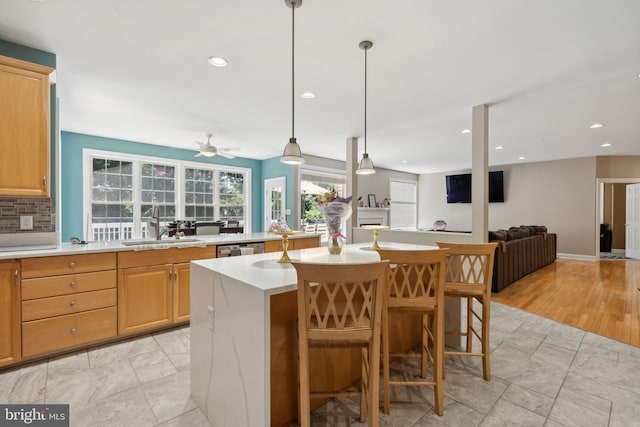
499 235
515 233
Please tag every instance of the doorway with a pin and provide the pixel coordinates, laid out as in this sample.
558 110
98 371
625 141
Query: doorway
611 217
274 200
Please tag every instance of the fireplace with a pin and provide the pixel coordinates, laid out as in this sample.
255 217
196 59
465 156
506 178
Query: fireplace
373 216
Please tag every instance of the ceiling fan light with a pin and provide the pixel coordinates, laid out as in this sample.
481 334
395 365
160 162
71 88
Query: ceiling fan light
208 153
292 154
365 167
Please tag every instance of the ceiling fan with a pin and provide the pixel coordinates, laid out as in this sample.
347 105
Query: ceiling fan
209 150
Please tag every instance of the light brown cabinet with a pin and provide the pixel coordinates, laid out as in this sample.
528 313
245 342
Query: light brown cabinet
153 287
10 338
24 128
145 298
182 292
67 301
298 243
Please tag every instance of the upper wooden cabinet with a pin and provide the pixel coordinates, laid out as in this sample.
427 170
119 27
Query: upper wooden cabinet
24 128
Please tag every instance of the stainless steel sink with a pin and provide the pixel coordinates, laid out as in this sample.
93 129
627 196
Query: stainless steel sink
159 242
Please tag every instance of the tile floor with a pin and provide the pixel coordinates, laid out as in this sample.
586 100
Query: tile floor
544 374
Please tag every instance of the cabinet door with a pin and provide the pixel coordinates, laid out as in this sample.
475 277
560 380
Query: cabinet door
9 313
24 132
144 298
181 290
273 246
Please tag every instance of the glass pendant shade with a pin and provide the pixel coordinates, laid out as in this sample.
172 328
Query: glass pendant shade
365 167
292 154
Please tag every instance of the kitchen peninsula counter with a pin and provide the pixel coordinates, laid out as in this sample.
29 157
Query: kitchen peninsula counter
243 314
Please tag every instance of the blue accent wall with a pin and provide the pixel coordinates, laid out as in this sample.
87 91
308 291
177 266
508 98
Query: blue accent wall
273 168
28 54
72 145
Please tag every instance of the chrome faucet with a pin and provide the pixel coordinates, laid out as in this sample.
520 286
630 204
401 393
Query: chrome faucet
154 224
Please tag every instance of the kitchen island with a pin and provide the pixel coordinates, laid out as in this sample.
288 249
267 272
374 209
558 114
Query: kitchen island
243 314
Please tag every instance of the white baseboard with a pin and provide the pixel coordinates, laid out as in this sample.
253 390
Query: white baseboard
577 257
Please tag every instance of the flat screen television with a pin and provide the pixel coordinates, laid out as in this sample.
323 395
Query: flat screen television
459 187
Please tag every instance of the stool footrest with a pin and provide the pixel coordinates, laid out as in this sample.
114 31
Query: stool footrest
430 383
461 353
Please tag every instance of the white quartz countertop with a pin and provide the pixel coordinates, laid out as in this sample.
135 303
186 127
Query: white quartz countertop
264 272
116 246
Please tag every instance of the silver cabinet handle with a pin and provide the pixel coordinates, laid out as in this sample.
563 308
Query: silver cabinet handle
44 182
72 284
15 277
72 264
72 304
73 330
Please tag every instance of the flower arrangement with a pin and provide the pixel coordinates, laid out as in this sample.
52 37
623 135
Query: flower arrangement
278 226
335 210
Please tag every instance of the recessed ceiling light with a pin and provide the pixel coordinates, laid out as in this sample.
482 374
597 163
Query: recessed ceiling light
466 131
218 61
606 144
308 95
405 161
499 147
596 126
521 158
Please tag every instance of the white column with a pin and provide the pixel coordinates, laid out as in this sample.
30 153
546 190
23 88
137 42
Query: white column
352 183
480 173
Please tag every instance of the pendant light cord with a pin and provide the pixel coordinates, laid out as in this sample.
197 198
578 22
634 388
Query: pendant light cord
365 99
293 26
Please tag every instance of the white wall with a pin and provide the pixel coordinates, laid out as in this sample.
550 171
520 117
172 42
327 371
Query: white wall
558 194
378 183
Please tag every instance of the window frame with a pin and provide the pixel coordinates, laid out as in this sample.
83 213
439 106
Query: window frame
180 166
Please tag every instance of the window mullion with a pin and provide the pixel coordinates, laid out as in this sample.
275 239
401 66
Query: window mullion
216 195
137 197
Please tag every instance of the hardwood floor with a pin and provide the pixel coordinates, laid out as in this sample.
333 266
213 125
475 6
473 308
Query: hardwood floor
600 297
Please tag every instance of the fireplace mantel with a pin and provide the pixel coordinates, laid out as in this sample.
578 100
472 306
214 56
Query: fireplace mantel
373 216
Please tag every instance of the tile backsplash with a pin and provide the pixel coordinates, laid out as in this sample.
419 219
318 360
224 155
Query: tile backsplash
41 209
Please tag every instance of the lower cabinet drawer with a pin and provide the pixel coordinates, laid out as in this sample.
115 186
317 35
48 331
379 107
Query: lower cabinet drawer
41 336
67 304
42 287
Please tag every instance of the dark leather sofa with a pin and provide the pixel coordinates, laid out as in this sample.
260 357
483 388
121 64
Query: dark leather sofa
520 251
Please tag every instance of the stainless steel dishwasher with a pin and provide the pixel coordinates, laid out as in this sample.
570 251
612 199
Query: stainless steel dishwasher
238 249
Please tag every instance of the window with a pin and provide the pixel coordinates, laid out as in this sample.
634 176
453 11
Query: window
198 193
112 199
404 198
231 196
121 191
158 189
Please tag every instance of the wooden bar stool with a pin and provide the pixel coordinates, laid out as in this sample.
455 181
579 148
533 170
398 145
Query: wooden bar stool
468 275
416 286
340 305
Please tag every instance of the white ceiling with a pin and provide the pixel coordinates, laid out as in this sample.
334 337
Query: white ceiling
138 70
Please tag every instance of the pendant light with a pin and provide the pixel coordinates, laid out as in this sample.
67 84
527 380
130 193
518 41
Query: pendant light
365 167
292 154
